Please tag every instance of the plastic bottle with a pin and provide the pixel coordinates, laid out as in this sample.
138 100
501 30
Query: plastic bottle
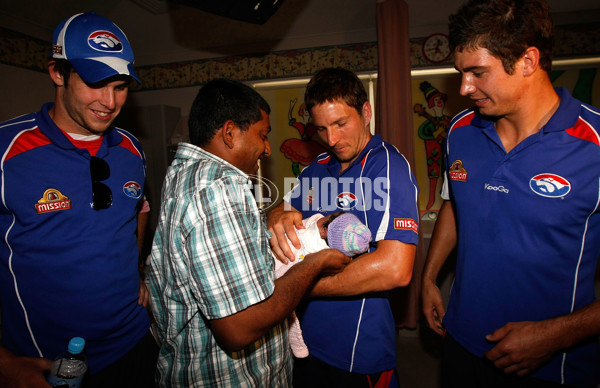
69 369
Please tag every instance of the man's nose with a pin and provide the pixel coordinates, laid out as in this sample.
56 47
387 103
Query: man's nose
333 136
466 86
107 97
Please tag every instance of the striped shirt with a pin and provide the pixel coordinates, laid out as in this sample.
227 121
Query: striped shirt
211 259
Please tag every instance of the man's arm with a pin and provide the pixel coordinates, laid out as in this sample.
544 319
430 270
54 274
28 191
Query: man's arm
522 347
142 222
442 243
388 267
243 328
22 372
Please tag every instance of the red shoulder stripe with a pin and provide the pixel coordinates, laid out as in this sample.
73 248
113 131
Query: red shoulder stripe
128 144
26 141
364 159
325 160
461 122
583 130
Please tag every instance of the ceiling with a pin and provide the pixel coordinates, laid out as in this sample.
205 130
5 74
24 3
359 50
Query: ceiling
162 31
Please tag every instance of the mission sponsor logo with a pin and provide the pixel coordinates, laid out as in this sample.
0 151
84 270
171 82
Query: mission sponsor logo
406 224
550 185
52 200
457 172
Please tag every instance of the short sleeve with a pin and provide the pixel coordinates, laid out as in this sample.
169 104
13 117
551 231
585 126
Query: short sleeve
394 193
230 262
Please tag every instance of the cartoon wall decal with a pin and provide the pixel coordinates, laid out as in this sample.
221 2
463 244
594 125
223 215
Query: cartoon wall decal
433 132
304 150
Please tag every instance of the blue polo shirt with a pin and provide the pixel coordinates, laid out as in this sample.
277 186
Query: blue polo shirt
357 334
66 269
528 230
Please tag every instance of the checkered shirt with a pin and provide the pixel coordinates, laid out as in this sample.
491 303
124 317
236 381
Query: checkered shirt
211 259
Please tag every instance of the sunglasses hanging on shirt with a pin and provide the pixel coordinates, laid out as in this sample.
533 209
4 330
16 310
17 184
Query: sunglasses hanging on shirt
101 193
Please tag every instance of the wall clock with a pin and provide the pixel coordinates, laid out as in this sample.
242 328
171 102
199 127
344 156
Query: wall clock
436 48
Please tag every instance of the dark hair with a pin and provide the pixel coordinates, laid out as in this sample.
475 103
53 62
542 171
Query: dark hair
332 217
221 100
334 84
504 27
64 68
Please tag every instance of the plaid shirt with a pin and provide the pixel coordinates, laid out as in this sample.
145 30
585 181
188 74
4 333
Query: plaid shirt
211 259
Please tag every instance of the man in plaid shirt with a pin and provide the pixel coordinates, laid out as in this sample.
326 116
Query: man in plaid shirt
220 313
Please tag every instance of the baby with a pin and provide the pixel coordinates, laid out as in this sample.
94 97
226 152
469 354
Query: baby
341 231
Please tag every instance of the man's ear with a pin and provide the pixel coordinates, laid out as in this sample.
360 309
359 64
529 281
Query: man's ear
57 78
229 132
367 112
531 60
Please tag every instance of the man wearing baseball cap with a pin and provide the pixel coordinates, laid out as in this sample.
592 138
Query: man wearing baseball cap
70 189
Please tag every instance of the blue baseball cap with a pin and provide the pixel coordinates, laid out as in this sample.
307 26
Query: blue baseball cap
95 46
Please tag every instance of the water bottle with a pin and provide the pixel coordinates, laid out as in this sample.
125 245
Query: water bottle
68 370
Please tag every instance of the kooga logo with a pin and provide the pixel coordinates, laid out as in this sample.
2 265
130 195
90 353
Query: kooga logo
501 189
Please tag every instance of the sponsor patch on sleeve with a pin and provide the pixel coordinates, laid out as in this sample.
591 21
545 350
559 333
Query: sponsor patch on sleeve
406 224
457 172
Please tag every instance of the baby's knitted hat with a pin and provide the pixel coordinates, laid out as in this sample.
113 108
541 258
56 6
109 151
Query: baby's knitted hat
347 234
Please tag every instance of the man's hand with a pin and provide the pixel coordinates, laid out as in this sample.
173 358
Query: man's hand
433 306
144 294
522 347
332 261
281 223
23 372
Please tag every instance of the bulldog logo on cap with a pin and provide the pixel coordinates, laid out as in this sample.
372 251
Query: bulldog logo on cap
95 46
105 41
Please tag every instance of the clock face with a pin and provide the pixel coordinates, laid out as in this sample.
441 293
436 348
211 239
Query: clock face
436 48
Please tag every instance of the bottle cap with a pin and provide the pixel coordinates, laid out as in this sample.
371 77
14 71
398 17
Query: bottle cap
76 345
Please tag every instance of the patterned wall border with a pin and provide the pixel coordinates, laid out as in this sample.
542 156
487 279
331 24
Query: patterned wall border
20 50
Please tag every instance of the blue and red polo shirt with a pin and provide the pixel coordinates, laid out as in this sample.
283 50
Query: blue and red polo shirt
66 269
528 230
357 334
